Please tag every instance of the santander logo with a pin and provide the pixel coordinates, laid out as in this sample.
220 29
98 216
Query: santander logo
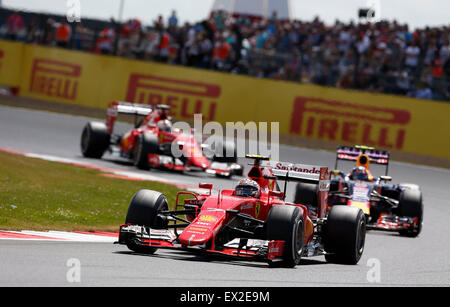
298 169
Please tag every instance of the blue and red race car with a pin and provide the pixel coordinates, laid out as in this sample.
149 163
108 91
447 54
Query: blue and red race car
389 207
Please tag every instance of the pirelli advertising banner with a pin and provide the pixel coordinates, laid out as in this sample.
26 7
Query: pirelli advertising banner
349 117
11 57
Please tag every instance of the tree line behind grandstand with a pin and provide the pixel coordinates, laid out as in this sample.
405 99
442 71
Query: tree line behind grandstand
383 57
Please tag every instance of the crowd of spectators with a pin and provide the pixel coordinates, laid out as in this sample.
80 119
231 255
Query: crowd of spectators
382 57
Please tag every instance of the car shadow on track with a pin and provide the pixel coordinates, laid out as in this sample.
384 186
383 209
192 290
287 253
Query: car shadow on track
128 163
183 256
384 233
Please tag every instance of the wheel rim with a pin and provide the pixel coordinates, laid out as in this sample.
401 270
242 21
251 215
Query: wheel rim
419 220
361 237
138 152
298 240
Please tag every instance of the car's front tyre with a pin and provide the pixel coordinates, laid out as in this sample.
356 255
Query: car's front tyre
286 223
344 235
146 144
410 205
143 211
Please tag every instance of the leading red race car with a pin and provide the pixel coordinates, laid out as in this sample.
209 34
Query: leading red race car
251 222
151 142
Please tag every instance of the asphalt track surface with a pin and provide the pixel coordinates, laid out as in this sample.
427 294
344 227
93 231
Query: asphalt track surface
422 261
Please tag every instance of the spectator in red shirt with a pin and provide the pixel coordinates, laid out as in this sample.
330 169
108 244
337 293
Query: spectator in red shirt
105 41
164 47
221 53
63 34
438 71
14 25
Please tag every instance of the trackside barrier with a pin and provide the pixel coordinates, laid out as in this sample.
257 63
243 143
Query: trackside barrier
11 57
343 116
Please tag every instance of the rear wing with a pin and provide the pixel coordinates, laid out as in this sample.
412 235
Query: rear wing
319 175
375 156
117 107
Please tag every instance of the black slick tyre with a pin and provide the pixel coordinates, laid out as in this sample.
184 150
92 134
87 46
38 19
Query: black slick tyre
286 223
344 235
306 194
143 211
95 140
146 144
410 205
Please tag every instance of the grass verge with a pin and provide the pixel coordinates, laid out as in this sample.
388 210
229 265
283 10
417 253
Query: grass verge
41 195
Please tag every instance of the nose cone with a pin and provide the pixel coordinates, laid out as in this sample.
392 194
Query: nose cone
364 206
202 228
195 156
201 162
191 238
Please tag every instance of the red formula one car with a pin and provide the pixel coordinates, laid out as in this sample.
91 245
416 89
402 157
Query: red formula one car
250 222
152 141
388 207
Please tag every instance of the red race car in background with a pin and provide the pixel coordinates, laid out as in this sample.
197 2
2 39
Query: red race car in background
251 222
152 142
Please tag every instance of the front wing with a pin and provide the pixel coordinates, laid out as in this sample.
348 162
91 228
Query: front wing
393 223
216 168
225 169
244 249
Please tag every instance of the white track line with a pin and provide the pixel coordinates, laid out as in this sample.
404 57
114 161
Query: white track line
30 235
128 174
59 236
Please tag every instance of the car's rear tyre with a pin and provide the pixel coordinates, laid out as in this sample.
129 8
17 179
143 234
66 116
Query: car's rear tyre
146 143
286 223
95 140
334 185
306 194
238 172
410 205
344 235
143 211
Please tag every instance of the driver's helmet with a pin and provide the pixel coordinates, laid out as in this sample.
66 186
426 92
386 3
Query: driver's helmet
359 173
247 188
163 115
164 125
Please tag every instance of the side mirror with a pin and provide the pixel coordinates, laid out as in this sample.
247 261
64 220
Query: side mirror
276 194
207 186
386 178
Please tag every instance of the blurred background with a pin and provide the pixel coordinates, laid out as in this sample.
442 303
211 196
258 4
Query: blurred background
394 47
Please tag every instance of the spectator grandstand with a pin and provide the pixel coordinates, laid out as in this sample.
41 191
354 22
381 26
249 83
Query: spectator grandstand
383 57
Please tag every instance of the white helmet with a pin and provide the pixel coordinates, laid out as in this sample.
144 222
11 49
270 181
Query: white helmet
164 125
